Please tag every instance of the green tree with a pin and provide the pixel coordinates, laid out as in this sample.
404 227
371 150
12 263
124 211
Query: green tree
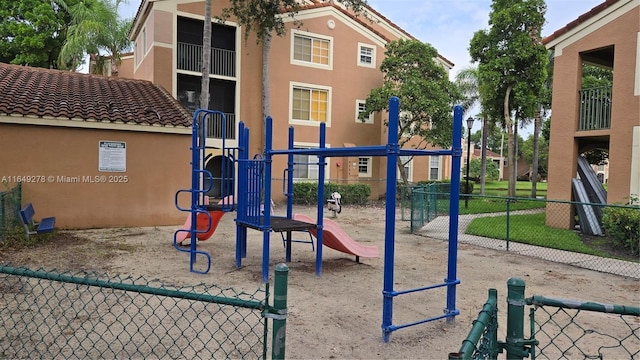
512 66
475 170
96 29
426 95
33 31
264 18
527 150
596 76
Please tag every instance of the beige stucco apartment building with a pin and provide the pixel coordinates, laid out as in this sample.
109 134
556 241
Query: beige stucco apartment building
321 71
583 119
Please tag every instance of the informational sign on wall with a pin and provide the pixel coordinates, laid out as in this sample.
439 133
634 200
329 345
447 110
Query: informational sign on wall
112 156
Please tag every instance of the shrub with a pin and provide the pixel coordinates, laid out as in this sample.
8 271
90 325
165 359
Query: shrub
463 187
307 193
622 224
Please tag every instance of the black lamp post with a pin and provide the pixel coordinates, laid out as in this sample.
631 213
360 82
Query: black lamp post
469 126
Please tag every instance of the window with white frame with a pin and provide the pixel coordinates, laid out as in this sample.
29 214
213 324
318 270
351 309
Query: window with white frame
434 168
360 108
310 104
408 167
364 166
309 49
305 166
366 55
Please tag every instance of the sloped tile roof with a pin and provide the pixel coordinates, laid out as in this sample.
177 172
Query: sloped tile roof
29 91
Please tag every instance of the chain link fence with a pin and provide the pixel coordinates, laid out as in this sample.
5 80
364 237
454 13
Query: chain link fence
559 329
10 202
45 314
532 227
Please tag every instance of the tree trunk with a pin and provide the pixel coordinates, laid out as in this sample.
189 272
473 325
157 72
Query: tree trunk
483 153
206 56
266 96
536 148
510 145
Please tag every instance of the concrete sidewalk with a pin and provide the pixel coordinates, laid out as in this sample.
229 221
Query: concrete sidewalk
439 229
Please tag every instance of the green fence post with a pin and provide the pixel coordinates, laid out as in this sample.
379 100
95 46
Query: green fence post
280 306
515 320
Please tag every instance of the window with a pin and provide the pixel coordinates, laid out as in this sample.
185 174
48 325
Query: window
360 106
364 166
311 50
366 55
305 167
434 168
310 104
408 167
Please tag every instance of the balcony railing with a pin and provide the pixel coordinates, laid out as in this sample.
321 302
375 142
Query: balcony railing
223 62
595 108
214 126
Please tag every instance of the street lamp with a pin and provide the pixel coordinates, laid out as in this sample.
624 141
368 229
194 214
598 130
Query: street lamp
469 126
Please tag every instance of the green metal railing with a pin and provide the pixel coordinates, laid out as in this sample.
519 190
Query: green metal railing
559 329
595 108
47 314
10 202
419 203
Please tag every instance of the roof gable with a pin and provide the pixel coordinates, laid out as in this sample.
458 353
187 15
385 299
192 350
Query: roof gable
44 93
375 15
596 14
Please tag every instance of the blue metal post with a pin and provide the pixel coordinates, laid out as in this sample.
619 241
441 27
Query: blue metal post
289 190
266 183
195 186
241 230
319 237
454 208
390 218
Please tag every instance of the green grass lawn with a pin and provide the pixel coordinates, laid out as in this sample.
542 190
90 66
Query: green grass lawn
499 188
530 229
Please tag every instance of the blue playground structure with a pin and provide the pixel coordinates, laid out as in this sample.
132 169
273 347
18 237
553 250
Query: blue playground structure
254 196
202 181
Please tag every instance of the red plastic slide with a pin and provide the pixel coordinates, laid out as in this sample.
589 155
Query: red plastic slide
334 237
202 221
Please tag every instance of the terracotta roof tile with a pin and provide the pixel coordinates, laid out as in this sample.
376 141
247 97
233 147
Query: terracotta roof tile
28 91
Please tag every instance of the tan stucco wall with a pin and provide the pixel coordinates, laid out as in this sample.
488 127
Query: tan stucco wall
563 146
157 165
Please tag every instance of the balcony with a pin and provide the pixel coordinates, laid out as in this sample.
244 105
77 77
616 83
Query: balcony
595 108
214 126
223 62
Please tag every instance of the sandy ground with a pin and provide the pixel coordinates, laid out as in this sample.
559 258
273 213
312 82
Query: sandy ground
339 314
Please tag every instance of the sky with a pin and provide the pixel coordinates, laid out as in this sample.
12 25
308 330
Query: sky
448 25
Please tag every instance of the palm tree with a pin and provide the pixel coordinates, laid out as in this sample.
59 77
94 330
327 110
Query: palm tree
95 29
467 83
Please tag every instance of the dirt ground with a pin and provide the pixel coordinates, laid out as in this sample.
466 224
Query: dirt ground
338 315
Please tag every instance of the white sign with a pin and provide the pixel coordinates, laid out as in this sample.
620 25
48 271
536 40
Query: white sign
112 156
